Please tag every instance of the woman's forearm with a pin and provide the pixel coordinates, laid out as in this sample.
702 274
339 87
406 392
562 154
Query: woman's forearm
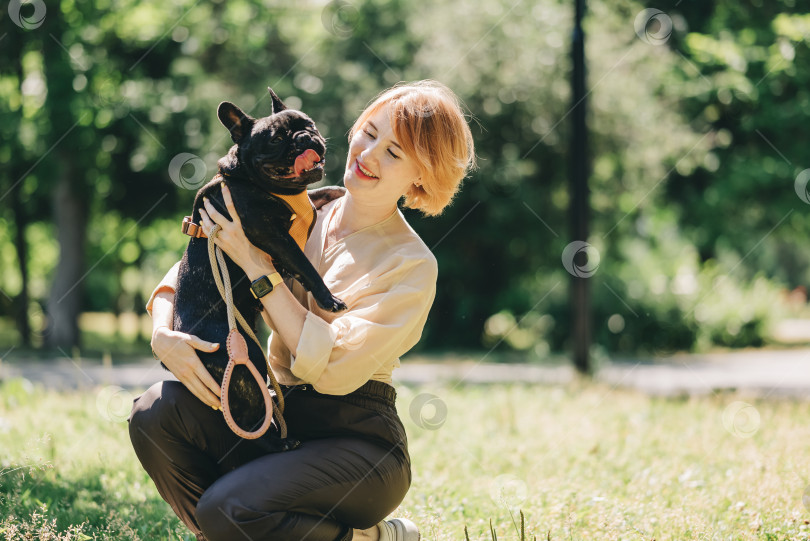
267 319
163 311
281 308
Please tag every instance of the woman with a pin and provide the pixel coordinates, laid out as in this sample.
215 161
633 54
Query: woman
334 369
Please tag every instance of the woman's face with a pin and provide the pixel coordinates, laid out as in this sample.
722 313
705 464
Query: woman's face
377 170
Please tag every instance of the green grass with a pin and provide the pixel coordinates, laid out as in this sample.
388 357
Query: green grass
581 462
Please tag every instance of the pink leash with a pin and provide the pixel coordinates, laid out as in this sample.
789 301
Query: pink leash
238 352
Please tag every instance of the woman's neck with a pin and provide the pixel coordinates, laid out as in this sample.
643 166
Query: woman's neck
355 215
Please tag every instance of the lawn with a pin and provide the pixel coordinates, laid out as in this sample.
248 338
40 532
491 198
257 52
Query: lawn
581 462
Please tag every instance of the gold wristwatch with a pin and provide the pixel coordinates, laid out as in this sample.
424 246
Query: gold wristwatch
264 284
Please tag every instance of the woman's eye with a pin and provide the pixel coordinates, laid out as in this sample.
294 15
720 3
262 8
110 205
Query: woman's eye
369 133
392 154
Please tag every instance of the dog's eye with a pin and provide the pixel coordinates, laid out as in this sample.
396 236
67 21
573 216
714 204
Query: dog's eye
277 139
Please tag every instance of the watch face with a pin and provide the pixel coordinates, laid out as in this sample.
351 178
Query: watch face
261 287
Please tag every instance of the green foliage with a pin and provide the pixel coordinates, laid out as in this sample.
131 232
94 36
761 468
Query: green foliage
694 145
675 201
752 98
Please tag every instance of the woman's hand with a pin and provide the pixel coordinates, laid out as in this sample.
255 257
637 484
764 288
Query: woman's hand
177 350
231 239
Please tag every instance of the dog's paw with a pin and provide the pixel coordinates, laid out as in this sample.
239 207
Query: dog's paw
331 303
325 194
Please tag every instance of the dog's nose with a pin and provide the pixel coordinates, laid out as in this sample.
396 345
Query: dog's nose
304 140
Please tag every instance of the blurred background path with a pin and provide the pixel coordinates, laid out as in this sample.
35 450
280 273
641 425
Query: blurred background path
762 373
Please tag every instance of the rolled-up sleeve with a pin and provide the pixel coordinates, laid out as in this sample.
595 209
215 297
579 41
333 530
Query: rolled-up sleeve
168 283
382 324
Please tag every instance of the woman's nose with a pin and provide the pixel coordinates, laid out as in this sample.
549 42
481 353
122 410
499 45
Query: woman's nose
369 152
368 158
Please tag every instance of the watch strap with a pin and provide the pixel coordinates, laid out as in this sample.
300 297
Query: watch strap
275 278
265 284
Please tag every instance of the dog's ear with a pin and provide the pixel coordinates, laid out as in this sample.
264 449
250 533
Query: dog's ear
278 105
233 118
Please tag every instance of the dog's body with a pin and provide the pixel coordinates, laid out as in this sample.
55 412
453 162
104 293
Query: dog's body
272 162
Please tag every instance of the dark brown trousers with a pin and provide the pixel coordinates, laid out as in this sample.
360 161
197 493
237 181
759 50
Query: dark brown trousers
351 470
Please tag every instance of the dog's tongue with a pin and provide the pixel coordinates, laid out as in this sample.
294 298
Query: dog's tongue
306 161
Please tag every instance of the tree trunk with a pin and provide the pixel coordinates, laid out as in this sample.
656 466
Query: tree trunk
21 301
20 305
70 216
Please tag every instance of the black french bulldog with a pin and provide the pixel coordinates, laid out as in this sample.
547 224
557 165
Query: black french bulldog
277 155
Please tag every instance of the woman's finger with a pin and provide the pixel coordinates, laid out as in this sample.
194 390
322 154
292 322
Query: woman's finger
202 392
202 374
177 351
210 383
206 221
226 195
208 224
214 213
199 368
198 343
212 398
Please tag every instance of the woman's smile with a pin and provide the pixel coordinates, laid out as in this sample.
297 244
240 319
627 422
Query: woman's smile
377 169
363 171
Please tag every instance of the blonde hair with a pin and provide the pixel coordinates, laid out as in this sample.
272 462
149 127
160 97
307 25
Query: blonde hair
429 124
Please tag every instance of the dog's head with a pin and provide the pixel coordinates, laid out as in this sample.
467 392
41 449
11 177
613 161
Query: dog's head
283 151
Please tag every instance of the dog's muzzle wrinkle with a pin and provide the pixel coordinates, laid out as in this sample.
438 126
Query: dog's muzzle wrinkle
304 140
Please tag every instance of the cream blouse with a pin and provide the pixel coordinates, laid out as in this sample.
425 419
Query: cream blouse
385 274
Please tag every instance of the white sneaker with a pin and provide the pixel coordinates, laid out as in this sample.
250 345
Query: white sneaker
398 529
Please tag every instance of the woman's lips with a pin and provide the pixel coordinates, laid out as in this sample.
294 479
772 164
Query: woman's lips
360 173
